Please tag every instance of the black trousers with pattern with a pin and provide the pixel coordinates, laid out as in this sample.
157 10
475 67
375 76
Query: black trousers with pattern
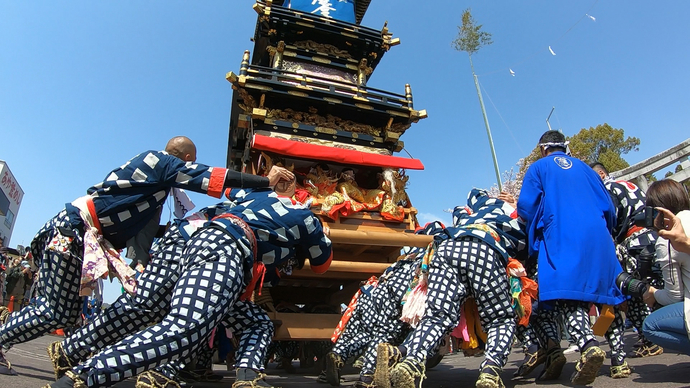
527 335
58 304
461 269
353 339
375 320
576 317
637 312
214 267
614 336
629 253
545 325
129 314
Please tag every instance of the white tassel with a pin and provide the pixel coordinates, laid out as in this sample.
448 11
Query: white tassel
415 305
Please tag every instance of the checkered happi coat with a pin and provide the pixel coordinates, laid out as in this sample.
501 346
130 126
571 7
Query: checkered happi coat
129 196
491 220
629 201
283 228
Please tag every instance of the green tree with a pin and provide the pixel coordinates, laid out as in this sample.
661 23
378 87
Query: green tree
470 35
603 144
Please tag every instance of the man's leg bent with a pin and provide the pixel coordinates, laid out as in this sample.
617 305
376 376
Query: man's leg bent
666 327
591 356
202 297
491 290
446 293
254 330
57 306
447 290
129 314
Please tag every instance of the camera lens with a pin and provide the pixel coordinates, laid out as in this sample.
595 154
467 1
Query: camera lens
630 286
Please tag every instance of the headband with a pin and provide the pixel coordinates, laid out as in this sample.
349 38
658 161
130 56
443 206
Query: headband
552 144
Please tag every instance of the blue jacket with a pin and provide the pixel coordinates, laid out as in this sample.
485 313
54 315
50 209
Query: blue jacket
569 217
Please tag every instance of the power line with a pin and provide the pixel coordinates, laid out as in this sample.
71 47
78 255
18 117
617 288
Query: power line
504 122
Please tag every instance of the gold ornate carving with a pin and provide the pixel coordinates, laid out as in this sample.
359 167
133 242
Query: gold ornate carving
348 190
296 93
249 103
329 131
364 68
321 60
400 127
314 119
322 47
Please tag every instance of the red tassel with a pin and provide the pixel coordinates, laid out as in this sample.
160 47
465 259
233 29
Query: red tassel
258 270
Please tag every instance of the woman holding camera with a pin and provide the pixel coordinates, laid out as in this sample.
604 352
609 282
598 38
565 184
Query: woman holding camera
669 326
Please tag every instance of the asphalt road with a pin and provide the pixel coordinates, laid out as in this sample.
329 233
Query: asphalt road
666 370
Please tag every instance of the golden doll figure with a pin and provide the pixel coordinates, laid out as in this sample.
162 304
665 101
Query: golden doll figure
396 198
352 197
320 182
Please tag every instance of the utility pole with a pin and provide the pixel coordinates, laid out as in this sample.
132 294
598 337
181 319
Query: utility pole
547 119
488 128
470 39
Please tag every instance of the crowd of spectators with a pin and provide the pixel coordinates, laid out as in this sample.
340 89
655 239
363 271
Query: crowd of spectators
17 276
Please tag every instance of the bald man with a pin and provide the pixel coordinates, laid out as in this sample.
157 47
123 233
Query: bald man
118 208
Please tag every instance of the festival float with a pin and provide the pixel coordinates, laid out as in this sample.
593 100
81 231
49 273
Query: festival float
301 100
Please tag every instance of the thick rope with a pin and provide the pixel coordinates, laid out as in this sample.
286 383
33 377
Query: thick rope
413 371
155 380
78 382
56 353
4 314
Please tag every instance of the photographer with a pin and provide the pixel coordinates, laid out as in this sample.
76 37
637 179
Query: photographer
668 326
635 247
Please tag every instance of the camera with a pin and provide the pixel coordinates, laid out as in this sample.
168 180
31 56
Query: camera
646 218
631 286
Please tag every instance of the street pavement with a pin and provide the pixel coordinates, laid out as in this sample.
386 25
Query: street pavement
667 370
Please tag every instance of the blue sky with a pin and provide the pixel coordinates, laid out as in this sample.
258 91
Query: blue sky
85 85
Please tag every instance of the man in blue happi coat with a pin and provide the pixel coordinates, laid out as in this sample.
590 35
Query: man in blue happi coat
119 208
569 216
221 265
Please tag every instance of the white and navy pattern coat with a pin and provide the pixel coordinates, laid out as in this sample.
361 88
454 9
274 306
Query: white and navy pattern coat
284 229
629 201
127 199
491 220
